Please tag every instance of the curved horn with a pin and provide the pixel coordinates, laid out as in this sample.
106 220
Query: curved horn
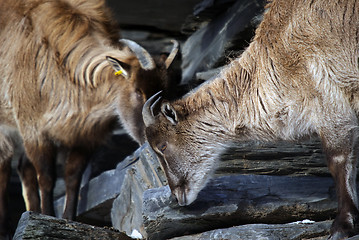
147 110
173 54
143 56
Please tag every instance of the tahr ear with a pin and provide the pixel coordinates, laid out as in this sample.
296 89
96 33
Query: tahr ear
117 67
169 112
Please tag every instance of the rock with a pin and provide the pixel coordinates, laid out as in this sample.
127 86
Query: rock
280 158
158 14
107 156
204 48
146 173
37 226
207 75
96 196
289 231
239 199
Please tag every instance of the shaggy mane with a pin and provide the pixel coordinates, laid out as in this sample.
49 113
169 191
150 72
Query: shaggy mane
71 29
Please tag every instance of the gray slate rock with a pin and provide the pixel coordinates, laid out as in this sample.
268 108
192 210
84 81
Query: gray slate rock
239 199
206 46
97 195
289 231
37 226
146 173
165 15
281 158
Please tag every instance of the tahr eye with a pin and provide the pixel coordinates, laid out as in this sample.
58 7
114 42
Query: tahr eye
139 94
163 148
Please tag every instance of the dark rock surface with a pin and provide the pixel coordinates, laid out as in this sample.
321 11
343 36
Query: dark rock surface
290 231
37 226
300 158
146 173
239 199
127 181
208 45
157 14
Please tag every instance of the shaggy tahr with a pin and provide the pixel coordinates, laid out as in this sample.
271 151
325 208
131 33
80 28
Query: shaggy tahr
65 79
299 76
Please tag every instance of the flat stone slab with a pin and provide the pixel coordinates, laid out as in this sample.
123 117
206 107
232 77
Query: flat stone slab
291 231
281 158
37 226
239 199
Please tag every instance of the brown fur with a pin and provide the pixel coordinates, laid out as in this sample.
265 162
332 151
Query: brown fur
58 89
299 76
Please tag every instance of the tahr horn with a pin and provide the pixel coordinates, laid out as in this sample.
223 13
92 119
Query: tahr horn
147 110
145 59
173 54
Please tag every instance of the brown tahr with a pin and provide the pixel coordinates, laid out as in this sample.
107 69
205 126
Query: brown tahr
65 80
299 76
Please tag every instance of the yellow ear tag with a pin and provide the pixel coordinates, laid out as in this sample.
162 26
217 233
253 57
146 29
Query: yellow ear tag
118 73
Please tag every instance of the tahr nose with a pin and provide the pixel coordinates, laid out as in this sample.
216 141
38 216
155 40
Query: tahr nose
181 198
